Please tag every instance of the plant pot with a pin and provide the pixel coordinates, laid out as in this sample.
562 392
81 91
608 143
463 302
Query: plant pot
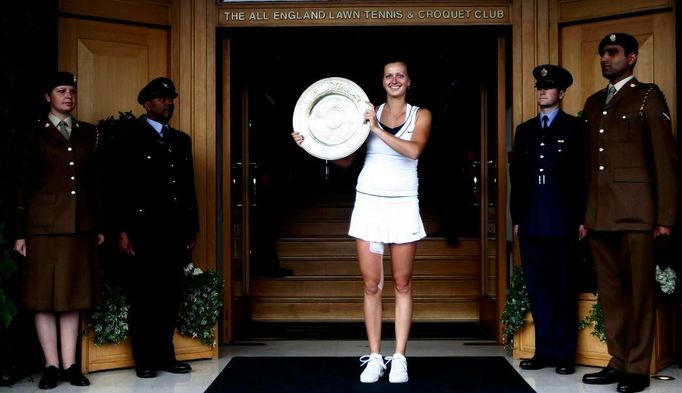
112 356
592 352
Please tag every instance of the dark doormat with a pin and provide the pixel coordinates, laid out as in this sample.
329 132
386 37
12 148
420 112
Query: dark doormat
342 375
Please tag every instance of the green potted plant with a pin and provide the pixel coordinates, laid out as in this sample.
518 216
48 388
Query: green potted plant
201 304
516 307
199 313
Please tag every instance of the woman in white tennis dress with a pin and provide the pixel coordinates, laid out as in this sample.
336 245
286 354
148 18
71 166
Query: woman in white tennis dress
386 212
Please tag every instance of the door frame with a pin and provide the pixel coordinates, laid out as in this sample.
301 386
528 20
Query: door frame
492 298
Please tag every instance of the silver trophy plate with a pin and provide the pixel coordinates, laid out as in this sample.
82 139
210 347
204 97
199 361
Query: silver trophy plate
330 116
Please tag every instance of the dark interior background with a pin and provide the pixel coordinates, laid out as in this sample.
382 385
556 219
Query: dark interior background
448 67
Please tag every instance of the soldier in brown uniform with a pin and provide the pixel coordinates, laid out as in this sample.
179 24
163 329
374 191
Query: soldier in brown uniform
632 199
58 221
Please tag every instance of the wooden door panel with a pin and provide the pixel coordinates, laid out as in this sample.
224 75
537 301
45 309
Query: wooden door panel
112 62
656 60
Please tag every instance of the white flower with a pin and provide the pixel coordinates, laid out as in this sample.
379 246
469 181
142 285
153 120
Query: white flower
191 270
666 279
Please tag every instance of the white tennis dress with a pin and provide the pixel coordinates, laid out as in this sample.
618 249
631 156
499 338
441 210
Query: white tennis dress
386 203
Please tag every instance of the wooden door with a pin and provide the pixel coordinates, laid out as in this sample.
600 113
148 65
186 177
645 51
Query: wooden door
494 263
112 62
656 60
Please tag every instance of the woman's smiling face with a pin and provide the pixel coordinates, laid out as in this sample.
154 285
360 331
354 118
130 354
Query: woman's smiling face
396 81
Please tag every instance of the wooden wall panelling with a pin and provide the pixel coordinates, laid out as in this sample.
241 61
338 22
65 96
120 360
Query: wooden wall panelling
576 10
656 60
141 11
535 34
193 70
112 62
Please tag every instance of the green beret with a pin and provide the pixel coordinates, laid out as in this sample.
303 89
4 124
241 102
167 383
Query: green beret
60 78
628 42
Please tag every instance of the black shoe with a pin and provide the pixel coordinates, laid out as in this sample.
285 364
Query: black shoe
50 378
177 368
629 383
606 376
535 363
565 367
143 372
73 374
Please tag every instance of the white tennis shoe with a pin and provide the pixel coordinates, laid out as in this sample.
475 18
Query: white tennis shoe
374 368
398 372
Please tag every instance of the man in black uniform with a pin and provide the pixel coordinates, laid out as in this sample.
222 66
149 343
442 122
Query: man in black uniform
157 223
547 206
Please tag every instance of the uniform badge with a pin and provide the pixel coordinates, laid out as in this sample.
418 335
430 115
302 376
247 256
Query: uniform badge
543 72
612 37
47 125
632 85
165 85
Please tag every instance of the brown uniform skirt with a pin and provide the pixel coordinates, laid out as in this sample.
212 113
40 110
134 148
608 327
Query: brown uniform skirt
62 273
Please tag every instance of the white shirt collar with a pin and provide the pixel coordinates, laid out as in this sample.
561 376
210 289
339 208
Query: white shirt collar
55 120
622 83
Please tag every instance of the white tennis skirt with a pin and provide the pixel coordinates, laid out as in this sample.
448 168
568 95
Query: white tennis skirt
386 219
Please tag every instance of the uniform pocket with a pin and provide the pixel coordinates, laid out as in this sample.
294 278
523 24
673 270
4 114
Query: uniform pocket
624 129
631 175
41 211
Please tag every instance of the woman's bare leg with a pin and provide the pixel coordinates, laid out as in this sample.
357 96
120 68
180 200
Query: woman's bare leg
402 263
46 328
68 334
372 277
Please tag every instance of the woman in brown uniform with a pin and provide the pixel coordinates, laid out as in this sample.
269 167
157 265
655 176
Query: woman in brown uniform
58 221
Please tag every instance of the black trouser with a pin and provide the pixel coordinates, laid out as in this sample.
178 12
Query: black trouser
155 293
548 270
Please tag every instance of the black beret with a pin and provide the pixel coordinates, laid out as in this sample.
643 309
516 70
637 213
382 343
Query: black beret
549 76
157 88
628 42
60 78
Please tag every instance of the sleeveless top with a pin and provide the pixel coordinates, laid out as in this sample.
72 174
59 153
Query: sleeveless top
386 172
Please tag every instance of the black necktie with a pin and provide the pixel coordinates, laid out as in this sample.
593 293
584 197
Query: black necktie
545 121
164 133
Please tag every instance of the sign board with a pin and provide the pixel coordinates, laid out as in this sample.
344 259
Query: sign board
289 15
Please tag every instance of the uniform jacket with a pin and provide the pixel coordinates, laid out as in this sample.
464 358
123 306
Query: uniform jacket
632 159
58 182
156 192
547 177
